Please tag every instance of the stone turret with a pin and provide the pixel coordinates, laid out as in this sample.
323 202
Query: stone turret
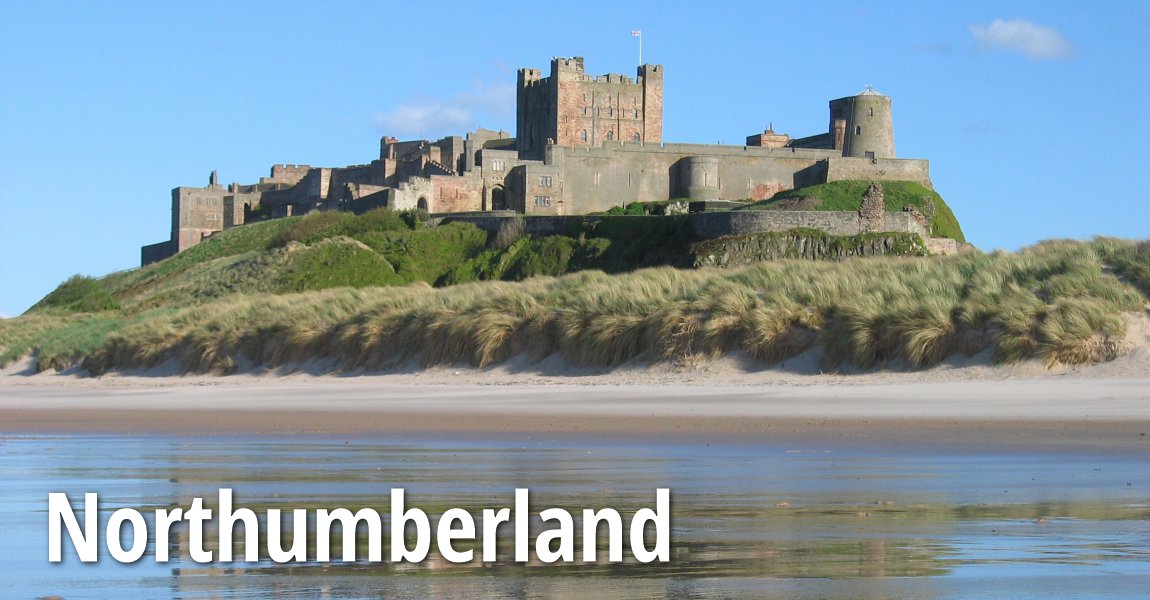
861 126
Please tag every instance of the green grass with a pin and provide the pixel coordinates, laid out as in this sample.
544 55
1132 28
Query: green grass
847 196
78 294
1058 302
1131 260
334 262
381 248
428 254
324 225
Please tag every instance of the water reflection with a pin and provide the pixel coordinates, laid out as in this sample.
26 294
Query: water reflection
756 519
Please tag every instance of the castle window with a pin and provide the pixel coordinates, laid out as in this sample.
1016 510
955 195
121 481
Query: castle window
635 136
543 201
545 180
583 136
870 111
610 111
586 111
858 129
497 165
610 134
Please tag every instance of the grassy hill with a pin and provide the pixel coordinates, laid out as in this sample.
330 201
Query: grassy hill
376 290
847 195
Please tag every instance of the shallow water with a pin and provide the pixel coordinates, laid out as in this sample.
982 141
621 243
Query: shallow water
749 518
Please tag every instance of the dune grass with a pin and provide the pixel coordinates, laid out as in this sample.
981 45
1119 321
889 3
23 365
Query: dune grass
1056 301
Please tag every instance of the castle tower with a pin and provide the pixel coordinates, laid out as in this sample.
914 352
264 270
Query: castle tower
861 126
570 108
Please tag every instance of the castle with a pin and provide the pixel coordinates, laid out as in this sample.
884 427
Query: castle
583 144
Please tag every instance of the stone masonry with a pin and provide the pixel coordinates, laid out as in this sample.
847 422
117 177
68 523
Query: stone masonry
584 144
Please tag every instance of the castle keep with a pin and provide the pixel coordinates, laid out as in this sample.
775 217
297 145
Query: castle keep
583 144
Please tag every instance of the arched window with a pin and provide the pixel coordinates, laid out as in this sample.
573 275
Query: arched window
583 136
610 134
870 111
635 136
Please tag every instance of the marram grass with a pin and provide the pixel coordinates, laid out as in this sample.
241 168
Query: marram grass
1059 302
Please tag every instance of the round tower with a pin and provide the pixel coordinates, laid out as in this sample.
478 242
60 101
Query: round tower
869 127
701 177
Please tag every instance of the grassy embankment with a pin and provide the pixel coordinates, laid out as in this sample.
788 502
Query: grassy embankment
847 196
1057 301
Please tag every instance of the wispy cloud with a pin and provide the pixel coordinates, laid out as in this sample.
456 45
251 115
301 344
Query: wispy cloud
433 117
1034 41
939 49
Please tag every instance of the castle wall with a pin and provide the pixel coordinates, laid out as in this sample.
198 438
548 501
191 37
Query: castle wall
438 194
533 111
374 174
896 169
714 224
451 153
652 78
286 174
596 179
196 213
570 108
456 194
156 252
473 145
234 206
718 224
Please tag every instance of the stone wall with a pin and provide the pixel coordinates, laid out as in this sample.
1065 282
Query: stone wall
942 246
596 179
196 213
570 108
891 169
156 252
288 174
706 225
374 174
719 224
757 247
456 194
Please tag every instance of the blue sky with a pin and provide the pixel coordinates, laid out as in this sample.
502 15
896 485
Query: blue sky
1031 113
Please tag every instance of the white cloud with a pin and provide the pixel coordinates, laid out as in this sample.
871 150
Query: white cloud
494 102
1033 40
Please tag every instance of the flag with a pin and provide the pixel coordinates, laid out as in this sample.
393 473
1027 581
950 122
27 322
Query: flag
636 33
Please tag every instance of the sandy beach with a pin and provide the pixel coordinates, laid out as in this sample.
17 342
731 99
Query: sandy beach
964 400
1104 406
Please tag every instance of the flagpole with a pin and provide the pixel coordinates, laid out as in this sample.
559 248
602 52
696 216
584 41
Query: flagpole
640 47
